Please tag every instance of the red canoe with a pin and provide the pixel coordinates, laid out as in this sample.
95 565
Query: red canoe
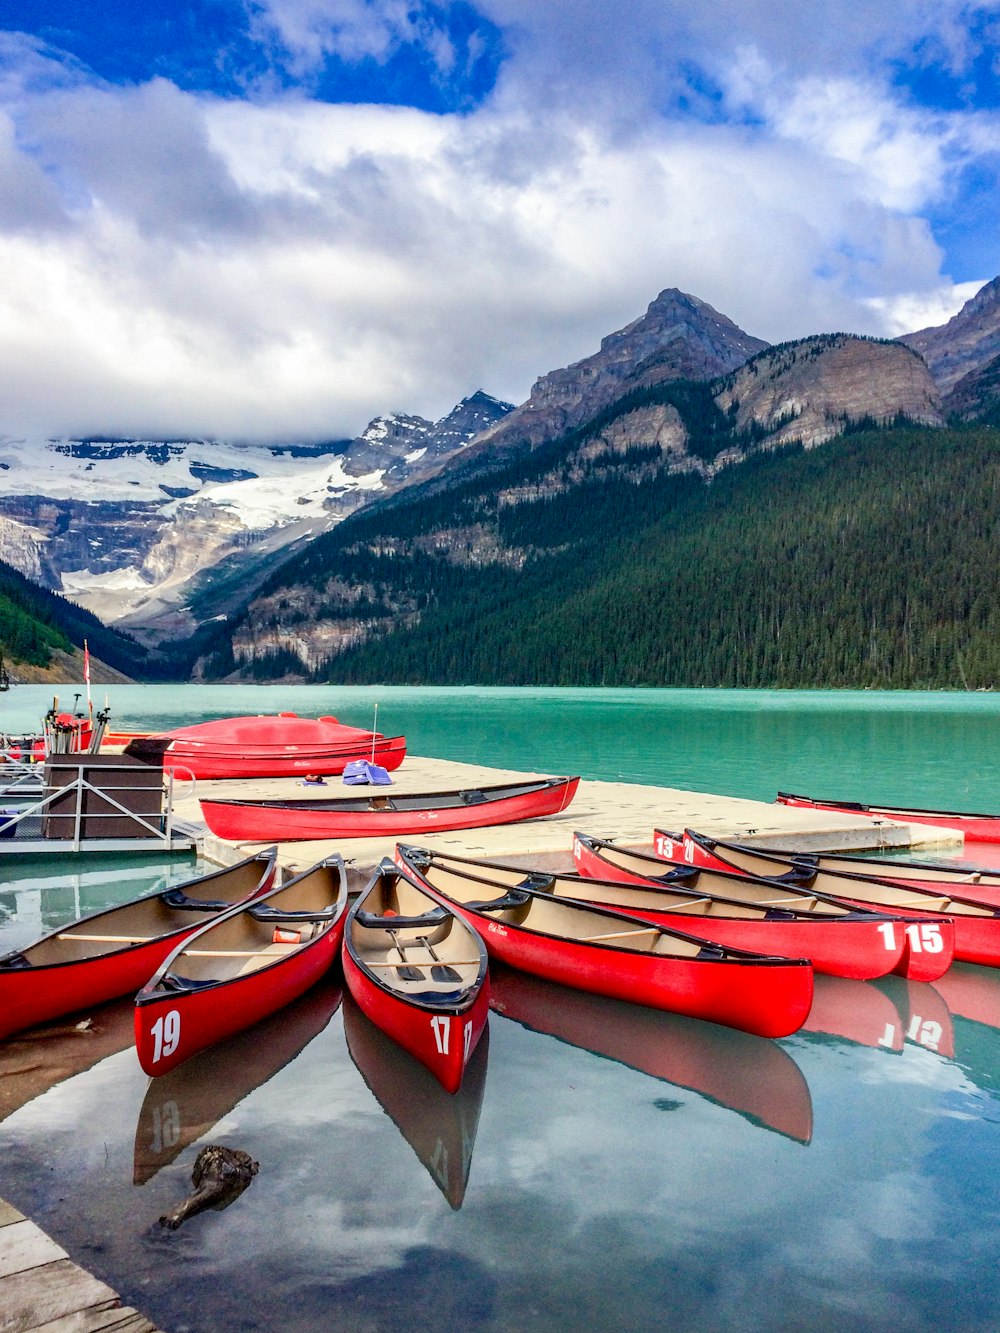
977 828
980 884
612 954
113 952
757 1079
242 967
976 922
763 916
187 1103
387 816
280 745
419 973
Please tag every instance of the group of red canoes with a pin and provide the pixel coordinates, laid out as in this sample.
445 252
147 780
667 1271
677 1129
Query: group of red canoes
715 930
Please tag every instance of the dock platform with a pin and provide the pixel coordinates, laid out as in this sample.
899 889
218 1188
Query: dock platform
627 812
41 1288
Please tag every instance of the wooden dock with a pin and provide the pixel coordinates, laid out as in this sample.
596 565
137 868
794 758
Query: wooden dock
42 1289
627 812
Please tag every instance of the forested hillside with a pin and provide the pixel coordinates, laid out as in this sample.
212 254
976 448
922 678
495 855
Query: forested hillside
872 561
36 623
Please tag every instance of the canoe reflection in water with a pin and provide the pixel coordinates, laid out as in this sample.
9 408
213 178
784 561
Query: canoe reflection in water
33 1061
439 1126
750 1075
185 1104
883 1014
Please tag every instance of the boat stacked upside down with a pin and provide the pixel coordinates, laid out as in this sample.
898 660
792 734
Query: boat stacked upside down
242 967
113 952
976 921
281 745
418 971
613 954
766 916
387 816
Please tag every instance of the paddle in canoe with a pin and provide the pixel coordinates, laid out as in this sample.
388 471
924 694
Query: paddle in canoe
418 971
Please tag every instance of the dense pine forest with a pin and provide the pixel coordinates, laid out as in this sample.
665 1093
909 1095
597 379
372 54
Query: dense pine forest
36 623
872 561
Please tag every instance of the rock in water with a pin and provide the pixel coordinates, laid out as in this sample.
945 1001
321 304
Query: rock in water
219 1176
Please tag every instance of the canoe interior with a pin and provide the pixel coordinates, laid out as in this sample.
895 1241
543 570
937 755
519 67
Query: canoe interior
443 800
418 961
551 916
239 944
858 885
150 917
723 896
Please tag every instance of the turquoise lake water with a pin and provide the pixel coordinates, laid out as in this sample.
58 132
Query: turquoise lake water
604 1167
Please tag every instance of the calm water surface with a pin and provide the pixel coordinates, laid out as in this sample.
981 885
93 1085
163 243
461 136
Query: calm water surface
603 1167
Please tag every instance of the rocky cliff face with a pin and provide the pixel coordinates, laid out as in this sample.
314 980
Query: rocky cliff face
810 390
965 344
679 337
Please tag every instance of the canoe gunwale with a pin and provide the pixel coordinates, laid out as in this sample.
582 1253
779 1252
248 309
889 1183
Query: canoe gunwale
709 952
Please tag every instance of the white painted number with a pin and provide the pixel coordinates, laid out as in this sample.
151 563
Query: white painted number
166 1034
925 1032
441 1028
888 1037
467 1036
888 934
925 939
166 1126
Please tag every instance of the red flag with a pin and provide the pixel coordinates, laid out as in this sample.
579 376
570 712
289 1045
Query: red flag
86 662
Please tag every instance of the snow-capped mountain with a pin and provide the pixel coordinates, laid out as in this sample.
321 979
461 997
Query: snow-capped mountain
125 527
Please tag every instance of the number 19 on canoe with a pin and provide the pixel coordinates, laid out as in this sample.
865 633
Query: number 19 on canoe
166 1032
922 938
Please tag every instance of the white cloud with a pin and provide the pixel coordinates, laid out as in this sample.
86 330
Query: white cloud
177 263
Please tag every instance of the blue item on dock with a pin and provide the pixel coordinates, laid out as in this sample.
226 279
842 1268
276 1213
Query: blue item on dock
8 823
360 771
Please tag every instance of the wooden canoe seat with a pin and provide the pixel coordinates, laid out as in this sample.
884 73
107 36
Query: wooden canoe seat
437 916
177 898
71 935
14 960
513 898
279 914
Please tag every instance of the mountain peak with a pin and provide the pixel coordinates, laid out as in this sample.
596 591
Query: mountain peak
964 345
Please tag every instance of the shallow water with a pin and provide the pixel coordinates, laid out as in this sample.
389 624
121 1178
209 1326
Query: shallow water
603 1167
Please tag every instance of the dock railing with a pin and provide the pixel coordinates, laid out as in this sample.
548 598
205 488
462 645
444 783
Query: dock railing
90 798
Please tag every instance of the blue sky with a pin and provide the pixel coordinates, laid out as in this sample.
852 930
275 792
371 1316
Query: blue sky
278 218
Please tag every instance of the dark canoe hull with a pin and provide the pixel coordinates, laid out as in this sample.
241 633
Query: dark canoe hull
861 946
770 997
286 821
107 968
172 1025
976 922
439 1126
441 1031
976 828
756 1079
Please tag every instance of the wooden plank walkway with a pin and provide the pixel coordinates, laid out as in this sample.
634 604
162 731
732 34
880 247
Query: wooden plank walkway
43 1291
